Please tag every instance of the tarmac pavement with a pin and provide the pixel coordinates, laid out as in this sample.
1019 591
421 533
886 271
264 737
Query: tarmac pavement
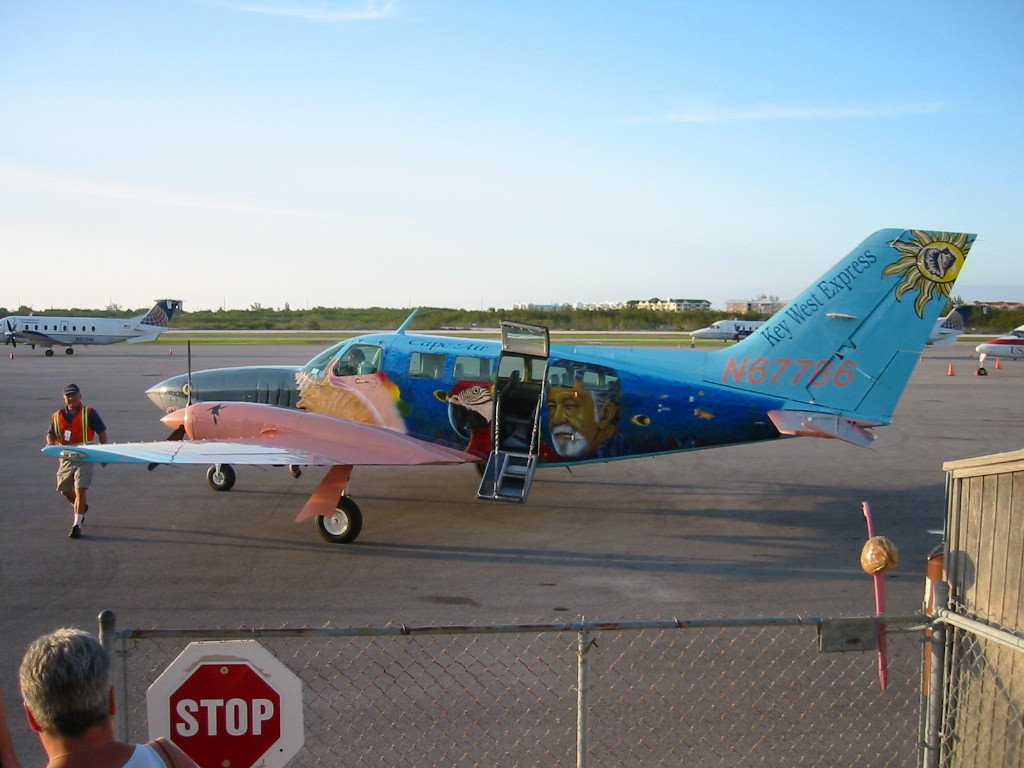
767 529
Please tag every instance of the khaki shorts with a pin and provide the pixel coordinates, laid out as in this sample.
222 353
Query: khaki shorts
72 475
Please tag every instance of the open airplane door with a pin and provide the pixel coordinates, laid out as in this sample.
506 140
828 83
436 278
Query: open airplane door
518 399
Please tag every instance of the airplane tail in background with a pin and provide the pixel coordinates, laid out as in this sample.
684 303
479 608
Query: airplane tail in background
847 345
161 313
154 322
957 318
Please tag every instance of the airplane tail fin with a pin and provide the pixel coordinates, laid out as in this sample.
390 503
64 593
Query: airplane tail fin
161 313
956 320
848 344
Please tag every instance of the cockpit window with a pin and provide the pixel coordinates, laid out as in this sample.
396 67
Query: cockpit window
358 359
318 364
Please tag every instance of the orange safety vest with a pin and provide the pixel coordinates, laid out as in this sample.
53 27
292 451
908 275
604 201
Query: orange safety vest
79 427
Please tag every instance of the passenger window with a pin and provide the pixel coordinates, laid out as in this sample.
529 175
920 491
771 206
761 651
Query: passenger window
427 365
512 364
472 368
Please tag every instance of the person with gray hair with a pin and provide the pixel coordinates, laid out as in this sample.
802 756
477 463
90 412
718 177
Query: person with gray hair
70 704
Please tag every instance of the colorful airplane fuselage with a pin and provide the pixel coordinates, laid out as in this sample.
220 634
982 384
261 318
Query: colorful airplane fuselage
832 363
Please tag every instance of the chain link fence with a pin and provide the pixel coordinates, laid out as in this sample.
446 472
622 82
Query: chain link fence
982 721
660 693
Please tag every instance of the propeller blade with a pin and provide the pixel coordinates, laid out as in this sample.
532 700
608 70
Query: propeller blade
189 382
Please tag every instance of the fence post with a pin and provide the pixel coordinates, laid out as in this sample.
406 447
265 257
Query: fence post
933 739
107 635
585 643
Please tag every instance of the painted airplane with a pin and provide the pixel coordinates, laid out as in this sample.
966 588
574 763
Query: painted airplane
47 331
832 363
947 329
1009 345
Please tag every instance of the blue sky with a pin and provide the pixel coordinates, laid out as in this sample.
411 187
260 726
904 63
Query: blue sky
481 154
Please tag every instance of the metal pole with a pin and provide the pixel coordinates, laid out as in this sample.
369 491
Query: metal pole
585 643
107 635
933 736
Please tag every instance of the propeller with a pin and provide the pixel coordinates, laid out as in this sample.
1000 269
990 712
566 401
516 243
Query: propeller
179 431
10 335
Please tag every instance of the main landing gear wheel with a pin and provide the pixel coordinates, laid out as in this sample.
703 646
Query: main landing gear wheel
344 525
221 477
69 351
48 353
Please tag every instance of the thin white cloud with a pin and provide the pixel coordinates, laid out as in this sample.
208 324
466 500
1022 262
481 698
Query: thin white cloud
321 13
71 185
769 112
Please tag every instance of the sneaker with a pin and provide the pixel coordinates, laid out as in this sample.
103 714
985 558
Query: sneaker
76 532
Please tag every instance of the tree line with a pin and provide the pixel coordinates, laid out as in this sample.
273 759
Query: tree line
989 321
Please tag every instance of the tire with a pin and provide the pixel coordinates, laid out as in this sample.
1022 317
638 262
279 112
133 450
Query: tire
48 353
69 351
221 477
344 525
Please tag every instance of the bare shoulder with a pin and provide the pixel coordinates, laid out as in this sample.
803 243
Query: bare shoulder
172 754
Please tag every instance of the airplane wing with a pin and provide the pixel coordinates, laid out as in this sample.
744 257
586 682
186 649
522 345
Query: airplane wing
35 337
252 433
187 452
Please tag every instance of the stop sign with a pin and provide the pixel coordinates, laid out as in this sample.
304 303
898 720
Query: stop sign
228 704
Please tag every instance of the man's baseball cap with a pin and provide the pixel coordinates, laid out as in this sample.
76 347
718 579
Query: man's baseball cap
72 389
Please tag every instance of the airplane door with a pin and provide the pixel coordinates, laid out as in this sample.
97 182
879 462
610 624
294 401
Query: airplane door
518 399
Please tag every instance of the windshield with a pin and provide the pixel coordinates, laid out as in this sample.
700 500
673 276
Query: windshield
318 364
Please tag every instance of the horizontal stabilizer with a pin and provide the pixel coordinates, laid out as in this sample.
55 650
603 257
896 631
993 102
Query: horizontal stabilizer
151 336
818 424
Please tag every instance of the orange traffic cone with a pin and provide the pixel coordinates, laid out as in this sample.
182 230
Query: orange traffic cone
951 371
999 363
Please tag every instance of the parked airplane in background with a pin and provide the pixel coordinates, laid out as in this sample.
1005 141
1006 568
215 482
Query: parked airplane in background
832 363
1009 345
727 330
46 331
947 329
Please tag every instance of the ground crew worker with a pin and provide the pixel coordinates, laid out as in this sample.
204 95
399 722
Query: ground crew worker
74 424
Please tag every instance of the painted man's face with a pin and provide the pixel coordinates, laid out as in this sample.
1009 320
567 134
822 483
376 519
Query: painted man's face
577 427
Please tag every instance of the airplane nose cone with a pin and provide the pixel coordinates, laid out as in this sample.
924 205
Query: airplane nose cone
175 418
169 394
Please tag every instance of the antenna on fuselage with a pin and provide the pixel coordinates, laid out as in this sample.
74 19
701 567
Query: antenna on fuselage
408 321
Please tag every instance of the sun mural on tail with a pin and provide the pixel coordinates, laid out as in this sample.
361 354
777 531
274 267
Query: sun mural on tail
930 263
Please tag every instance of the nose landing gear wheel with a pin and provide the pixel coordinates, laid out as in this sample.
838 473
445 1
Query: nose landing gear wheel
48 353
344 525
221 477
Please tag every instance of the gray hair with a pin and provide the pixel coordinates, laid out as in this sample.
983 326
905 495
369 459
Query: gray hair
65 681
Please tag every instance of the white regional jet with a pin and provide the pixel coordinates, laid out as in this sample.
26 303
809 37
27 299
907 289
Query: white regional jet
46 331
947 329
727 330
1009 345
